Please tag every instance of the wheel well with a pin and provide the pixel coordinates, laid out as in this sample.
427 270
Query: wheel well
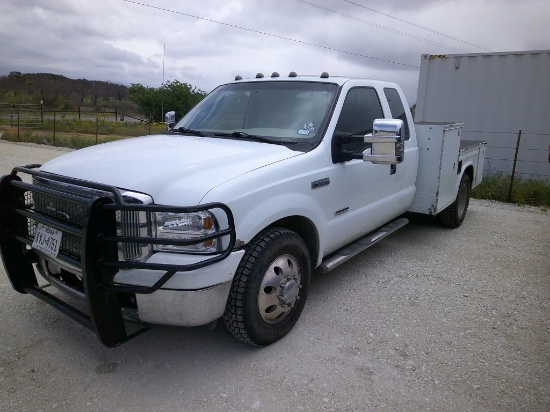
470 171
306 230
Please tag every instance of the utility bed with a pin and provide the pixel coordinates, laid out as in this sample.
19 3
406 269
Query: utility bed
442 157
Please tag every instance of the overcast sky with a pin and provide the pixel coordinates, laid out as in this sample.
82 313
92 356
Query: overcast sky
208 42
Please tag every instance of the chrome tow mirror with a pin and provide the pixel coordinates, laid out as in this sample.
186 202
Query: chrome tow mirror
170 119
387 142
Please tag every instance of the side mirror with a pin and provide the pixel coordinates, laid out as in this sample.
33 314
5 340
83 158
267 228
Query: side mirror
170 119
387 140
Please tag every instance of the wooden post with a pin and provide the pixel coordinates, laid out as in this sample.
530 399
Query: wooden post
96 126
514 168
150 124
116 114
18 125
78 112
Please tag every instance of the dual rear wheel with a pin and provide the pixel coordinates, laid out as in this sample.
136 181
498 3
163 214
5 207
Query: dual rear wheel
454 214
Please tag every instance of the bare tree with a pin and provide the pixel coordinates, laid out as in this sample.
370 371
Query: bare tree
81 89
121 92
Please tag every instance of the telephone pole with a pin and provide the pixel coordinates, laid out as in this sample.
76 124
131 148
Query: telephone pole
162 87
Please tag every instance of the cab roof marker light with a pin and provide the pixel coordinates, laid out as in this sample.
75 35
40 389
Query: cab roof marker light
259 76
274 74
237 78
324 75
292 74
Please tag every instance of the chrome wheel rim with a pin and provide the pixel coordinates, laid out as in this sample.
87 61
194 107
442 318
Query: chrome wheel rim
279 290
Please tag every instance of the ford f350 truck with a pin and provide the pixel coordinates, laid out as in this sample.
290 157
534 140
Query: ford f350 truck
226 215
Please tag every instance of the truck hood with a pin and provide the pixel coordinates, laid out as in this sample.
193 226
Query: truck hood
173 169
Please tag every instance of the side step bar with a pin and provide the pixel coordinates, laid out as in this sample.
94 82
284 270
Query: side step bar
349 251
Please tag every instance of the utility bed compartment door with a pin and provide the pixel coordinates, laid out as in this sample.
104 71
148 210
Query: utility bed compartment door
437 176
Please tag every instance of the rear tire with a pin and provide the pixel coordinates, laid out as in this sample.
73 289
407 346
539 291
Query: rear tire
454 215
270 287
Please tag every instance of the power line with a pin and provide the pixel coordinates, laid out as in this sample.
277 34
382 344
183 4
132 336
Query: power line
417 25
379 26
271 34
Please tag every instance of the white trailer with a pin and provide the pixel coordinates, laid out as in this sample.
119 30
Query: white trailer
496 95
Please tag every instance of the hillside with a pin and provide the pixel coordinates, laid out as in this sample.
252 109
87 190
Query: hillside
59 92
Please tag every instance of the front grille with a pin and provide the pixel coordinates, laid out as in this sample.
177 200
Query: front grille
59 209
132 223
130 226
73 214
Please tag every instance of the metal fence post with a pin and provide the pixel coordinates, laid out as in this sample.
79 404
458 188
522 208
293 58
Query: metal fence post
96 126
54 113
17 125
514 168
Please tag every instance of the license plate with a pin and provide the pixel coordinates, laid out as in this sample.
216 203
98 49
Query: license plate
47 240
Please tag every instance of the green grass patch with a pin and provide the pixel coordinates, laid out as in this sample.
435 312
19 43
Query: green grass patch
103 127
524 192
76 134
62 139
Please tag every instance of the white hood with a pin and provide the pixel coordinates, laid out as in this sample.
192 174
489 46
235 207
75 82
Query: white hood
173 169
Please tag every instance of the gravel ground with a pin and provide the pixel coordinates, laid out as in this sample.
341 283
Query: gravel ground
428 319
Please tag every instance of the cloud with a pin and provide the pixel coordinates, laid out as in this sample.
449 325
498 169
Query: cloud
124 42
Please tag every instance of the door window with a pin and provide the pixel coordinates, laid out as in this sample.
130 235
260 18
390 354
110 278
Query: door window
397 109
361 108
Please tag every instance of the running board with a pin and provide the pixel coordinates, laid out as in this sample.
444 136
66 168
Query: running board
349 251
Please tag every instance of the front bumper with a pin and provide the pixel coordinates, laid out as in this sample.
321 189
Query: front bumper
89 259
183 307
192 298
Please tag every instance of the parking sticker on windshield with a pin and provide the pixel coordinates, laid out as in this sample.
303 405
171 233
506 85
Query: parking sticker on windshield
307 129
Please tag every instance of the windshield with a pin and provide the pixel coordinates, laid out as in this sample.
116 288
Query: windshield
278 112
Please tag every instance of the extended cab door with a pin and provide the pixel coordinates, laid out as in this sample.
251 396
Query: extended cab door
366 195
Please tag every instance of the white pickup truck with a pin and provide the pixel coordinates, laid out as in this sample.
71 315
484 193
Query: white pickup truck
227 214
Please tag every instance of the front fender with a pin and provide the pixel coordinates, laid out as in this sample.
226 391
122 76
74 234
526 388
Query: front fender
277 191
258 215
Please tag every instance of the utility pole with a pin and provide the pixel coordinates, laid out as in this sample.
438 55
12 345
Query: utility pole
162 88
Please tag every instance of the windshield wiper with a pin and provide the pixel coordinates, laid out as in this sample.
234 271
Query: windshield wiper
184 130
244 135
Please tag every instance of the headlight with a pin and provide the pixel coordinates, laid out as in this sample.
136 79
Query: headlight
186 226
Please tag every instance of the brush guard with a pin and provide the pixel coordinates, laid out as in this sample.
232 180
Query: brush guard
89 243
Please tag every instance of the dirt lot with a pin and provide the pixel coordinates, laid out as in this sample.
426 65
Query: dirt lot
428 319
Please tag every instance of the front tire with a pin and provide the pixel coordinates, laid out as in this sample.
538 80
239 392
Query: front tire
270 287
454 215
